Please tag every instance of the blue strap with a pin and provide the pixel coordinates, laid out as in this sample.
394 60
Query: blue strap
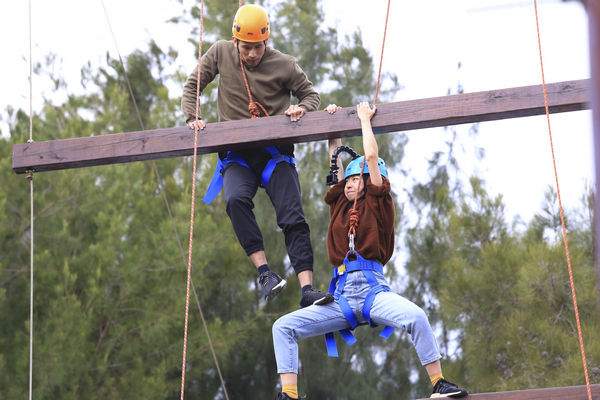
366 310
276 158
360 264
387 332
376 288
216 183
333 282
348 336
336 287
341 282
343 303
331 346
347 310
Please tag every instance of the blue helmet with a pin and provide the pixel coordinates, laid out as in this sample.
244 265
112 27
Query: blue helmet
356 165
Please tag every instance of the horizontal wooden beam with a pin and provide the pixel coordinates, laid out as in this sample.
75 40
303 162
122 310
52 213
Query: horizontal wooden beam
557 393
319 125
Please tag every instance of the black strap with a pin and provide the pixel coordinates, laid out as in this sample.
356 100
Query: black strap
332 178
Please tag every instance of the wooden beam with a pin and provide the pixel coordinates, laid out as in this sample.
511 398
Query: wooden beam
557 393
391 117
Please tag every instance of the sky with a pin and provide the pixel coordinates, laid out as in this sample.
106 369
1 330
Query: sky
494 41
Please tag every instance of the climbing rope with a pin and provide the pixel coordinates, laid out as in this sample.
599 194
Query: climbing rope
189 269
353 213
165 199
252 105
387 15
30 178
562 218
137 110
191 246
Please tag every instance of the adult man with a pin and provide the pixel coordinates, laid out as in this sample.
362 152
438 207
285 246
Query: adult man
250 73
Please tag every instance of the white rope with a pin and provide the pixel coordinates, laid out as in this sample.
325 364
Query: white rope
164 196
30 177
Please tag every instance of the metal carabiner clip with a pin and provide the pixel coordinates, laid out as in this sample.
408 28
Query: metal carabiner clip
351 243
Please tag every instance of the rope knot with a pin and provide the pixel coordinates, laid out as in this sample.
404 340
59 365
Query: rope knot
354 218
253 108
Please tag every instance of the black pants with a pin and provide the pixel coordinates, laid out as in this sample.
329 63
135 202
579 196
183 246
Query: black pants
240 185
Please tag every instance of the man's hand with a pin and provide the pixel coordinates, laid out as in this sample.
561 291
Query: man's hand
295 112
332 108
200 125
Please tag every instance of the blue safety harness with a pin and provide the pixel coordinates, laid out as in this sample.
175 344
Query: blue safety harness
339 276
216 184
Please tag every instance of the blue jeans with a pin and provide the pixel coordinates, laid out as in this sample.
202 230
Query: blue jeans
389 309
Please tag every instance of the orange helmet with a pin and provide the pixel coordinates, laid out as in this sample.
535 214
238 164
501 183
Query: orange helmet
251 24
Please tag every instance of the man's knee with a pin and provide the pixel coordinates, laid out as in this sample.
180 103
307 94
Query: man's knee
294 222
238 201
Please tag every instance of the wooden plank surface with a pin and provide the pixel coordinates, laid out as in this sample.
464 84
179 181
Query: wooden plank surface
557 393
319 125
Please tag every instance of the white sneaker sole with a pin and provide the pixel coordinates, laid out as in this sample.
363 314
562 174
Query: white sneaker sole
438 395
276 289
323 300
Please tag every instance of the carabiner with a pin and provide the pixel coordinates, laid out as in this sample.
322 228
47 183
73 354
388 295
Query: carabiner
351 243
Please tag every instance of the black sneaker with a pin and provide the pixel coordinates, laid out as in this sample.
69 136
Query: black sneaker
272 284
314 297
283 396
443 388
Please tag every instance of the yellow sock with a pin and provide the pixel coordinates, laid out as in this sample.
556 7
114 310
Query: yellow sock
290 390
435 378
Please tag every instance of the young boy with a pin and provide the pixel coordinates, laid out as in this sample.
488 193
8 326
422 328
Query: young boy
358 272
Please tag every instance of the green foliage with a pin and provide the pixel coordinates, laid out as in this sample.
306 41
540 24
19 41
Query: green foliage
110 270
111 257
501 297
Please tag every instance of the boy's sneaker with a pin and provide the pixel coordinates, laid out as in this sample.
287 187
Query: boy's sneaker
283 396
443 388
272 284
314 297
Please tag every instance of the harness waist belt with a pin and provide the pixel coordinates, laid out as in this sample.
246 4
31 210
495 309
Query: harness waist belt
216 183
336 287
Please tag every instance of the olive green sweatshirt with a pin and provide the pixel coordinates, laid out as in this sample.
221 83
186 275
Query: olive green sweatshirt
272 83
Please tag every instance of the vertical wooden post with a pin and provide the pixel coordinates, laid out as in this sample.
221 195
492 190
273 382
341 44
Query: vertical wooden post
593 9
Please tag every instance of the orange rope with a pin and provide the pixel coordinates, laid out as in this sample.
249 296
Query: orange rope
562 219
252 105
387 15
189 269
353 213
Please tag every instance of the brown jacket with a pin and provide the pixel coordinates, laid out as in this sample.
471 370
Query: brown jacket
374 239
271 82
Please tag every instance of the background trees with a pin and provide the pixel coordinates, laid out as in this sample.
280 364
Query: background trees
110 256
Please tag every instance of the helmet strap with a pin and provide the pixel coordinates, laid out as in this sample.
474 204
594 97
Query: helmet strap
332 178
